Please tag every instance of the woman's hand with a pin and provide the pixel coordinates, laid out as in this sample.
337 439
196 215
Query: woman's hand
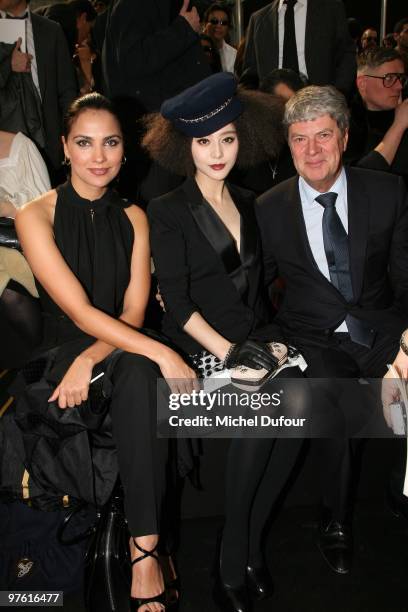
179 376
252 354
390 391
73 388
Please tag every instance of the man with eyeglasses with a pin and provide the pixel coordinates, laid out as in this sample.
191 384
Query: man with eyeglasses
378 134
217 21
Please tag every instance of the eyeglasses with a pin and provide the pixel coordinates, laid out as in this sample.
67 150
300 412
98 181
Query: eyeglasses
223 22
370 38
391 78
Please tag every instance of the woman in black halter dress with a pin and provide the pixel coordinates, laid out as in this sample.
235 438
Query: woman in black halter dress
89 252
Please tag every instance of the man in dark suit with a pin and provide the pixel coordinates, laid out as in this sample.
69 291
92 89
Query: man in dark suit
52 79
151 52
339 238
315 42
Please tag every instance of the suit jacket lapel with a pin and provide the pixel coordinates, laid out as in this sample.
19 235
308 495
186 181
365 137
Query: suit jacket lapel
220 239
312 30
358 213
296 217
271 32
40 51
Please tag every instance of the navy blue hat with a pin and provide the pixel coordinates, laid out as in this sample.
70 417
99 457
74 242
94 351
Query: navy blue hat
206 107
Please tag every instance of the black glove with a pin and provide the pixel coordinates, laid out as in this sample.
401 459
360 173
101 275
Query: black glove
250 354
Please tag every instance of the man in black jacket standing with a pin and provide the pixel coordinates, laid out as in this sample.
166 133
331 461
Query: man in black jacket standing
308 36
46 73
339 238
151 52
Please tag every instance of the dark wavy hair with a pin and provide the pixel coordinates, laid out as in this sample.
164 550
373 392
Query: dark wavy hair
259 129
91 101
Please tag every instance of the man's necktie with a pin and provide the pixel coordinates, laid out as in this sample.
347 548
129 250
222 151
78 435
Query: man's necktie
336 246
290 56
337 253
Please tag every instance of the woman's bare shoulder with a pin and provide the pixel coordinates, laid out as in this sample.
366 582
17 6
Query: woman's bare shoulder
137 216
41 208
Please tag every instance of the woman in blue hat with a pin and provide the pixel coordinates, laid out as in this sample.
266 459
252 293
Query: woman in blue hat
207 257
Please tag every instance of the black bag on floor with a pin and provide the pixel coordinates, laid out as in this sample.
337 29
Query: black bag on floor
43 550
107 567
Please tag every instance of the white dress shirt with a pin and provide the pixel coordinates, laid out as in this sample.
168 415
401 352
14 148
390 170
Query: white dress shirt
30 48
300 10
227 57
313 216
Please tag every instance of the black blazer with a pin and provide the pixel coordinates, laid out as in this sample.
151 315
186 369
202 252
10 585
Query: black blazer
198 266
57 79
329 49
148 55
378 238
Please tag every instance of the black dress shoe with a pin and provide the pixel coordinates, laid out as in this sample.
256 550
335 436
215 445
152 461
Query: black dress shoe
231 599
335 543
259 581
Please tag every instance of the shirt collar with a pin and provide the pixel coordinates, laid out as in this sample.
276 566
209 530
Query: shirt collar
4 14
339 187
299 2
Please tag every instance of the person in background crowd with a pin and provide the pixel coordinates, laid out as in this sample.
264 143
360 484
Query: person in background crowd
310 37
379 118
211 52
23 177
100 6
23 173
355 30
217 20
76 18
401 37
369 39
52 85
282 83
89 252
389 41
151 51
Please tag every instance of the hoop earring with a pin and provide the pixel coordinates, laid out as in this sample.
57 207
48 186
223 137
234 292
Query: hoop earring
124 160
67 161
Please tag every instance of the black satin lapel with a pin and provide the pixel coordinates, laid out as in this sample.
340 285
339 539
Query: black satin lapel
217 235
248 233
358 212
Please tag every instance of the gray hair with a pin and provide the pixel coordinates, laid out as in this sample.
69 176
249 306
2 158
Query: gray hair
373 58
315 101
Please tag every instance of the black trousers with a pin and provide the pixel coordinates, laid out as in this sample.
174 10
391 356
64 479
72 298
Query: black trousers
257 471
341 358
142 457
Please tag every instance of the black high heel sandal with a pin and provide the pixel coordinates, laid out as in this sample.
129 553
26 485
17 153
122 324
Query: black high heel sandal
137 602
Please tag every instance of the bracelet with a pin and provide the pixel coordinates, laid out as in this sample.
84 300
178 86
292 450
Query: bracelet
403 345
228 354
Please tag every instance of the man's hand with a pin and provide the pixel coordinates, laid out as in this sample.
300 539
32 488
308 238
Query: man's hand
191 16
20 62
401 115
